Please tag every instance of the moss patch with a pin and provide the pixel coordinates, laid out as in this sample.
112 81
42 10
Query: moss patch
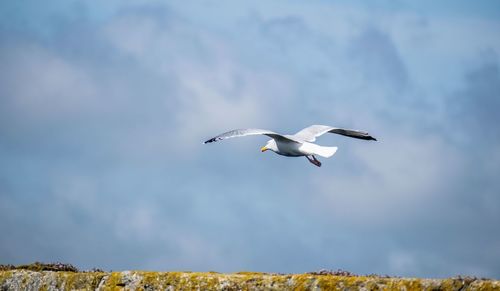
37 266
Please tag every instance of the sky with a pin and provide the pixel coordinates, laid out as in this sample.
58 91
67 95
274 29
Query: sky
104 107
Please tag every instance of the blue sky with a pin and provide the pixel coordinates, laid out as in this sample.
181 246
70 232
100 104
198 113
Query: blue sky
104 107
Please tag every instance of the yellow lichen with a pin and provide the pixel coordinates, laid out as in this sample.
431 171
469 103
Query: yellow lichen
113 281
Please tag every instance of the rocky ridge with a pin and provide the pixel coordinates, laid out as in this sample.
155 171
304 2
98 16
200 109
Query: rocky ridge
24 279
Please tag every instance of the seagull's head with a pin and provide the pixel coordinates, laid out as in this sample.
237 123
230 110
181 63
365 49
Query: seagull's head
270 145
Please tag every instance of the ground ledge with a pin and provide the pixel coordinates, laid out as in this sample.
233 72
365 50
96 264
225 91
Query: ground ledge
139 280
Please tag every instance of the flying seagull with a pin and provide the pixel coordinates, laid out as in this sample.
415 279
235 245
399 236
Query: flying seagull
299 144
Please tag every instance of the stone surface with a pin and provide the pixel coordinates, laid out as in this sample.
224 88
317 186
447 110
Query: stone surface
139 280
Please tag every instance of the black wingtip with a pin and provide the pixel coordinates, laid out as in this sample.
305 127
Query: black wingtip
366 137
210 140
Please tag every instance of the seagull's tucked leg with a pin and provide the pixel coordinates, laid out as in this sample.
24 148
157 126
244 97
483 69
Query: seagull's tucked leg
314 161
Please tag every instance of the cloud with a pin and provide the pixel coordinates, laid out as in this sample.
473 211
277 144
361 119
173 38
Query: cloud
205 87
37 83
474 107
377 58
388 182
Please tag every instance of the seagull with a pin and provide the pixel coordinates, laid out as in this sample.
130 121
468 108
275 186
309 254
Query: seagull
299 144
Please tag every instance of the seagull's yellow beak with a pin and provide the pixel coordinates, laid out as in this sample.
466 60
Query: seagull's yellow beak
263 149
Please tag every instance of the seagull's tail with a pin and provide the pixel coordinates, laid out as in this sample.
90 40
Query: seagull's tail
325 152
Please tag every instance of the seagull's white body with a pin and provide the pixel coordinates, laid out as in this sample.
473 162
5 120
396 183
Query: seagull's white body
294 149
299 144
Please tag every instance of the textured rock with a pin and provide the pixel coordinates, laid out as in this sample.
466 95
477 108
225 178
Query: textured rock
138 280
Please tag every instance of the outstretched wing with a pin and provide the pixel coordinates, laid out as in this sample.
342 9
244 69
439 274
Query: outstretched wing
310 133
252 131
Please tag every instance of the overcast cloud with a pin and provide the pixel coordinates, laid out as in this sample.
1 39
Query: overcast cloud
104 107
